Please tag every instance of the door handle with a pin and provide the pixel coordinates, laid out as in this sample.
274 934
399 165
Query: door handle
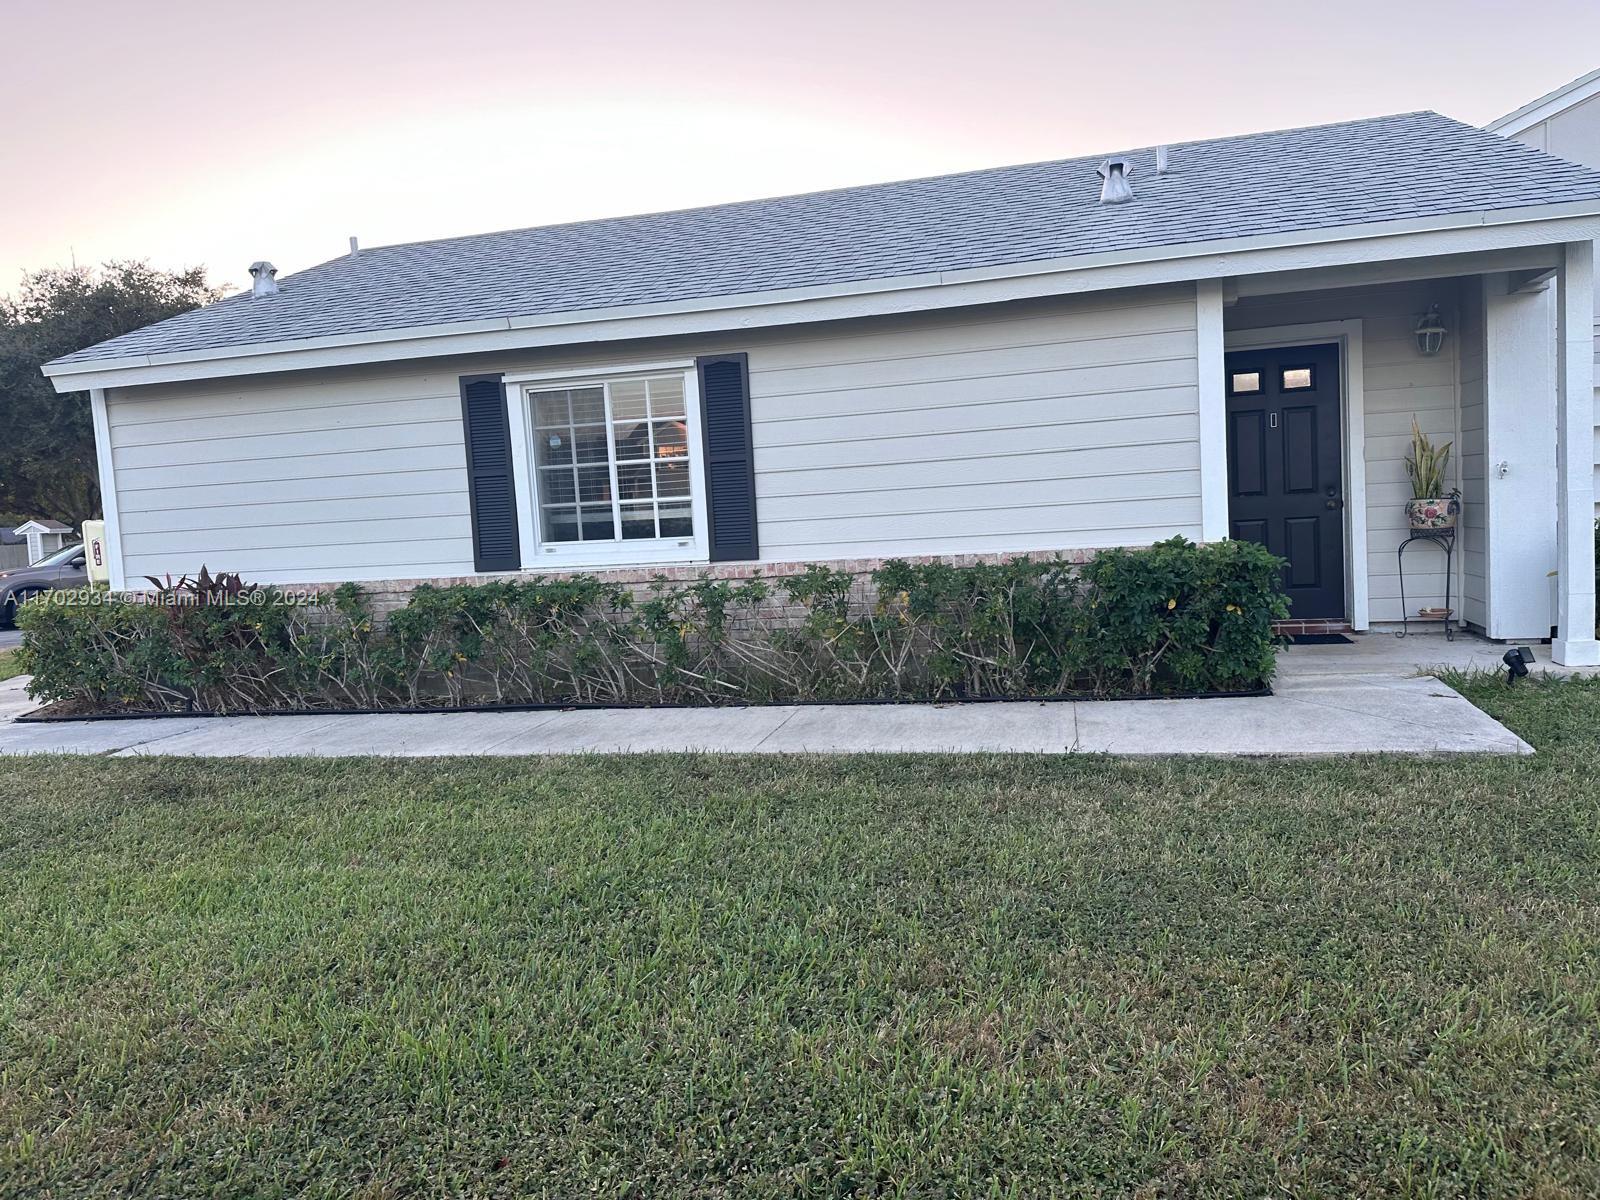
1336 502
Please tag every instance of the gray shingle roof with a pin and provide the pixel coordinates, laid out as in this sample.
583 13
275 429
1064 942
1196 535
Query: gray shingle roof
1384 169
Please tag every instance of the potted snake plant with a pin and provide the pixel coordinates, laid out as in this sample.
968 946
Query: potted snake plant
1431 507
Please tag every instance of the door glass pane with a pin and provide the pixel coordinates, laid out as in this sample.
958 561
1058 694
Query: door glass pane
1243 383
1296 379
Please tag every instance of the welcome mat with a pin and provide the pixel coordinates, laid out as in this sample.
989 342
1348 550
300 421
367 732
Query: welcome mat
1320 639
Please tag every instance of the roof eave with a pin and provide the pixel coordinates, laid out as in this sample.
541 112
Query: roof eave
1327 246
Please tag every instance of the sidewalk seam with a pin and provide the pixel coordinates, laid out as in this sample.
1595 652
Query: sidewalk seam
793 713
545 718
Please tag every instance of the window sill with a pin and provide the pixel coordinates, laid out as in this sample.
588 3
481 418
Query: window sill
611 556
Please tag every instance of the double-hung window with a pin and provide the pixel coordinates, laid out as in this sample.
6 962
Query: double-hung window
616 467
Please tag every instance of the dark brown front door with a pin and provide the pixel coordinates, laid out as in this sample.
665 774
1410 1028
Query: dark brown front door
1285 474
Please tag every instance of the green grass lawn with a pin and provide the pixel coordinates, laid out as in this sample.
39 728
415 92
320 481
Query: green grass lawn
668 976
8 664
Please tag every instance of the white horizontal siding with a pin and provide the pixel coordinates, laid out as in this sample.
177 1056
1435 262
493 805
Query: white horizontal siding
374 487
1071 469
1074 427
1037 426
319 478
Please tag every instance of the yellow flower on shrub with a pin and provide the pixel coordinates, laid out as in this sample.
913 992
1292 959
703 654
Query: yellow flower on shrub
1171 604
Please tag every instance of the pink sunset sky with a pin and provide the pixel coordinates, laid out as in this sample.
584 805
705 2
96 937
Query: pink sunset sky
217 133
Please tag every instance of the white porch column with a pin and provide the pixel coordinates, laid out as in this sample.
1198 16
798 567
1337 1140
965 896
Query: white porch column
1507 476
1213 411
109 507
1575 643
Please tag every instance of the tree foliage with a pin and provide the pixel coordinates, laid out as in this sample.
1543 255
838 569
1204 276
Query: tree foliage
47 460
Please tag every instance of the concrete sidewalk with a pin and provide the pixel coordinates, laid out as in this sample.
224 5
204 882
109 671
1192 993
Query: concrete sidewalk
1330 700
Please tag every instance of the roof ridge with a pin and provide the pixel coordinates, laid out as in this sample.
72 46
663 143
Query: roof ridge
725 205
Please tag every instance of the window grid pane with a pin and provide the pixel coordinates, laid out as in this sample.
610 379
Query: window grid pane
613 461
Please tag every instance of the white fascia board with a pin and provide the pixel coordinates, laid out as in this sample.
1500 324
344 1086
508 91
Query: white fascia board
1340 245
1549 105
1370 274
575 374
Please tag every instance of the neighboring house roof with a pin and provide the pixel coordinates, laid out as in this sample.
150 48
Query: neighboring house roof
1416 165
1583 88
45 526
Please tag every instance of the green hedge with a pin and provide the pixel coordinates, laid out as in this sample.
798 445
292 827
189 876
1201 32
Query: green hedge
1173 617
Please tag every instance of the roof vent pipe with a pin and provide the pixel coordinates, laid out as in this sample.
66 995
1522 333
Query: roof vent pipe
263 279
1115 189
1161 160
355 247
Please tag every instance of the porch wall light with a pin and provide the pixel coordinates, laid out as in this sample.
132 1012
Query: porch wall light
1430 331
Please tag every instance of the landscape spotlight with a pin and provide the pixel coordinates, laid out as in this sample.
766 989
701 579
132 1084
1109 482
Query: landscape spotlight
1516 660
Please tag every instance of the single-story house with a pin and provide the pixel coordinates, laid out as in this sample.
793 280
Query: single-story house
43 537
1222 338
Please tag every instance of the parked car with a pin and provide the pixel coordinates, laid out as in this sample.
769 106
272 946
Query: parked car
63 569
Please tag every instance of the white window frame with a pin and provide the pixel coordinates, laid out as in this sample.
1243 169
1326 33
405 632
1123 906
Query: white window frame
537 554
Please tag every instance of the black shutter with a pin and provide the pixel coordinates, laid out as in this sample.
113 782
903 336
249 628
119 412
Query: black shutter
730 462
490 485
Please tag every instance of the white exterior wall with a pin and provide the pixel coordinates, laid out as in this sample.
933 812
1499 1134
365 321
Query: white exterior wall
1075 425
1574 134
1043 425
331 476
1398 382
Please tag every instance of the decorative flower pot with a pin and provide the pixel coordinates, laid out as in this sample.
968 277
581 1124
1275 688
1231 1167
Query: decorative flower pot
1437 513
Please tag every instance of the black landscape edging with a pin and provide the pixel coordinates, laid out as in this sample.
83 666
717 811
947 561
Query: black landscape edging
40 717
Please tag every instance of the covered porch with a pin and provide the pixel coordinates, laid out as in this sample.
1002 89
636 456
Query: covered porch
1309 383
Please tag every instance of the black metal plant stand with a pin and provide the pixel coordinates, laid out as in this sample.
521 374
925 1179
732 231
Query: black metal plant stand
1445 539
